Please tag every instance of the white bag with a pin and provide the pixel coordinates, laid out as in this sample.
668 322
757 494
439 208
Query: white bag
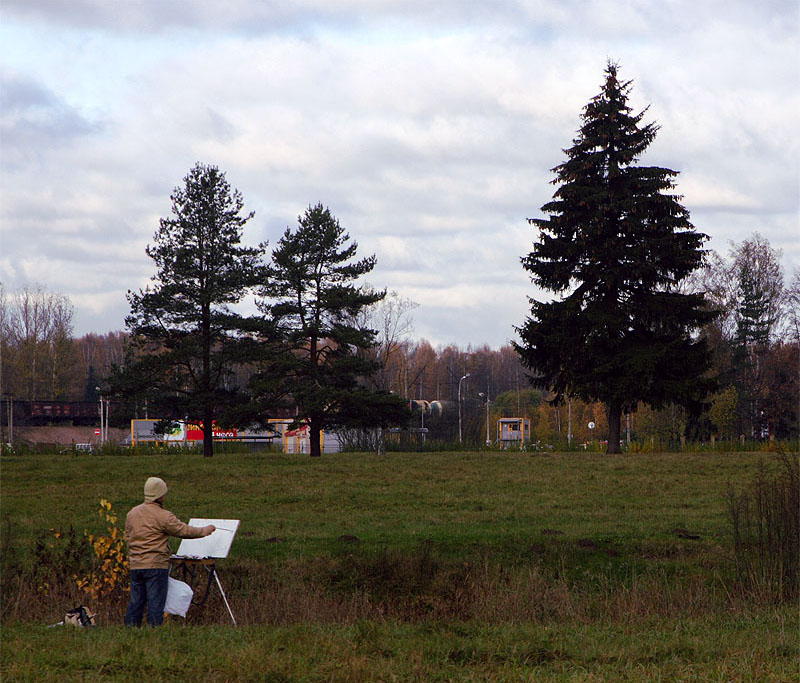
179 597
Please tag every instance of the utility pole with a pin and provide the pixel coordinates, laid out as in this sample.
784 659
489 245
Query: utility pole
569 421
459 406
103 418
488 437
102 421
628 428
486 396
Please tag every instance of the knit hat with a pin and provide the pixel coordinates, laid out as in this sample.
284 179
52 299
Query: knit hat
154 488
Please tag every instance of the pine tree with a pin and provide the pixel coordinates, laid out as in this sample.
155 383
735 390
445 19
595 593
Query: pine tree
186 337
615 245
313 302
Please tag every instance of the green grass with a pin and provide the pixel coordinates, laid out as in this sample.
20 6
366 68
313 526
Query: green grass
742 648
457 573
455 499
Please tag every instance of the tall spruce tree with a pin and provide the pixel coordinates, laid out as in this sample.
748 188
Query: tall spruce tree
312 301
615 245
186 338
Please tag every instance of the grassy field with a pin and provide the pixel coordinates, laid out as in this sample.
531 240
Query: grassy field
447 566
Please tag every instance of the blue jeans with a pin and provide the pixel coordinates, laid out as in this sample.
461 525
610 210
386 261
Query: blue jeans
148 587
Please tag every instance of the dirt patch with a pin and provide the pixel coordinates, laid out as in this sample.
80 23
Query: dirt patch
65 435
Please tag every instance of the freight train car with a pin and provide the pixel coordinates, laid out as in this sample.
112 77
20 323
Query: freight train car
24 413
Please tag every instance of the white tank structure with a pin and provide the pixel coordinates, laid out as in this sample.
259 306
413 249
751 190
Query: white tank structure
432 409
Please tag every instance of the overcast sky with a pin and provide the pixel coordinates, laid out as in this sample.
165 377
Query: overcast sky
428 127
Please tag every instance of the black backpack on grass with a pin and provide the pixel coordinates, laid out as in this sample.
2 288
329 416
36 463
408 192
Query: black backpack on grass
79 616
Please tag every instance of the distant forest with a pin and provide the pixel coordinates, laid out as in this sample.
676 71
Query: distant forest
756 344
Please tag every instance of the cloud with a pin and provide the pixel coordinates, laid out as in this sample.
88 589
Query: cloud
246 17
33 120
428 128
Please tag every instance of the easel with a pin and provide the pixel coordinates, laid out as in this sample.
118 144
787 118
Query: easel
204 552
188 567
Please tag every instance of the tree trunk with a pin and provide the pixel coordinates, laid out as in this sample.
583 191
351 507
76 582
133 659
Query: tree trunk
208 437
313 435
614 416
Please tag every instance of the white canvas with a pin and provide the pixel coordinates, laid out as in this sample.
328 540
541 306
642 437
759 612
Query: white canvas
217 545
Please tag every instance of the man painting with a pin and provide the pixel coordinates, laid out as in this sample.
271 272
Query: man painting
147 530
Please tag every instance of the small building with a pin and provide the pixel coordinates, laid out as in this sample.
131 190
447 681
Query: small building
184 433
513 432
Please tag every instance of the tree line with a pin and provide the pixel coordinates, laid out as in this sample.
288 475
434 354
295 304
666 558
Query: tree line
755 341
41 359
415 370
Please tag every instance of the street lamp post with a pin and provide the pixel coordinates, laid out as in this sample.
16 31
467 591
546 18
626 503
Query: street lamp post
459 405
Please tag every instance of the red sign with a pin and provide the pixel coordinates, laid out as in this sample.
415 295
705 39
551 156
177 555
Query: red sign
194 432
97 432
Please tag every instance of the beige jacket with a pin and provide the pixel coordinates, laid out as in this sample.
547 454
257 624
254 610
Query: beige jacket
147 530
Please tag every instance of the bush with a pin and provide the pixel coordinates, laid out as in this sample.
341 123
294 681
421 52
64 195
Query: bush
67 568
766 531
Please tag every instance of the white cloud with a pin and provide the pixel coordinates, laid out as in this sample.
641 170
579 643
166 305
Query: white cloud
428 128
